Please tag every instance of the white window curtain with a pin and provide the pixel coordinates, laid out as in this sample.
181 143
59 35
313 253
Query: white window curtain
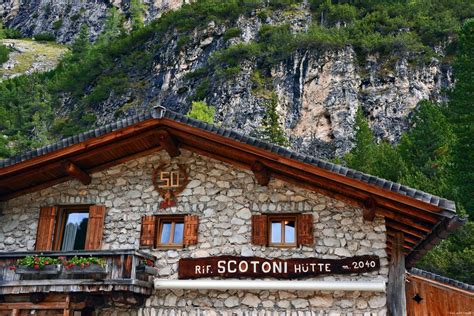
69 237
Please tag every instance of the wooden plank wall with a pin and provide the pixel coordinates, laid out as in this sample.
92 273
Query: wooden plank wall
438 299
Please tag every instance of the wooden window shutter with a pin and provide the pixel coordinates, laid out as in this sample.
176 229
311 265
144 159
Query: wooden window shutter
95 227
305 229
191 227
259 230
45 231
148 232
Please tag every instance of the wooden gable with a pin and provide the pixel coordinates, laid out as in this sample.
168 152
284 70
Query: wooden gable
422 218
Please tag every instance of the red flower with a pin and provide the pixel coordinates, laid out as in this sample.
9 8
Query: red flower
88 264
37 259
12 268
82 265
36 266
46 262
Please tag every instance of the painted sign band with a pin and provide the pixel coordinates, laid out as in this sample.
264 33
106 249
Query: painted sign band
255 267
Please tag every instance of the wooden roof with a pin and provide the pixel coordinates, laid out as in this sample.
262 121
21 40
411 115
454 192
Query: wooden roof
424 218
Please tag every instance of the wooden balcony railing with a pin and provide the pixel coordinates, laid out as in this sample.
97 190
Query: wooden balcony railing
124 271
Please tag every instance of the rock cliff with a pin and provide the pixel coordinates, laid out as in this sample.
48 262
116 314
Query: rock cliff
317 93
64 18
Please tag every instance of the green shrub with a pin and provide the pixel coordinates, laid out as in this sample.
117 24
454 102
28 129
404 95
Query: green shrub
4 51
203 112
231 33
75 17
57 24
44 37
282 4
12 33
182 40
202 90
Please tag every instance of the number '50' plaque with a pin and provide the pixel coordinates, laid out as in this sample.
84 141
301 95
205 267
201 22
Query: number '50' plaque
169 181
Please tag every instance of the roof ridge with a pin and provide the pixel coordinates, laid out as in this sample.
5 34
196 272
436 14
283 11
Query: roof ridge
442 279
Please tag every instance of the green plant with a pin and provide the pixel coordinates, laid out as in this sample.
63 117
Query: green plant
231 33
36 262
57 24
4 52
272 131
202 90
147 262
82 262
203 112
75 17
44 37
137 12
182 40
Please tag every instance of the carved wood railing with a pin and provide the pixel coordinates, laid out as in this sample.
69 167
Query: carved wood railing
124 271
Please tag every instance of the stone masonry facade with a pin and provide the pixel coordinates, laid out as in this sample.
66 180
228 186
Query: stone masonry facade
224 198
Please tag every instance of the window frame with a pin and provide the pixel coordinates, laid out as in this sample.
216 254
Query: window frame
160 220
281 218
60 221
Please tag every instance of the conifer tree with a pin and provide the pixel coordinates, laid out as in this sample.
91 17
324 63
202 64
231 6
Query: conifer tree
113 26
426 150
136 13
272 130
81 43
461 114
362 156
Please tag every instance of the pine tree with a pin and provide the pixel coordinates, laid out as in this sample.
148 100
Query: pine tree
136 13
362 156
461 114
427 151
81 44
113 27
272 130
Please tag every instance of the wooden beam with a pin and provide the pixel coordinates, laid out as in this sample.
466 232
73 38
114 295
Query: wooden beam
89 144
404 228
396 298
359 185
34 188
261 173
369 209
125 159
408 238
168 143
407 220
29 305
76 172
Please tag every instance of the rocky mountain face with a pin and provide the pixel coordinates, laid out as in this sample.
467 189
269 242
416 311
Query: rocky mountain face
64 18
317 94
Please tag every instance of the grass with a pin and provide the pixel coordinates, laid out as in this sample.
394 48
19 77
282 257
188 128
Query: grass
34 52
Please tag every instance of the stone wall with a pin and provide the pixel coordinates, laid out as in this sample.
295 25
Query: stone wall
224 198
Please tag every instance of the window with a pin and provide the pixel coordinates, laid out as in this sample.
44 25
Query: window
70 227
282 230
171 232
168 231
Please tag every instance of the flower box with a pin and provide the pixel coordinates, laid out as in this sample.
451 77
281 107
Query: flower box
47 269
86 270
146 269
